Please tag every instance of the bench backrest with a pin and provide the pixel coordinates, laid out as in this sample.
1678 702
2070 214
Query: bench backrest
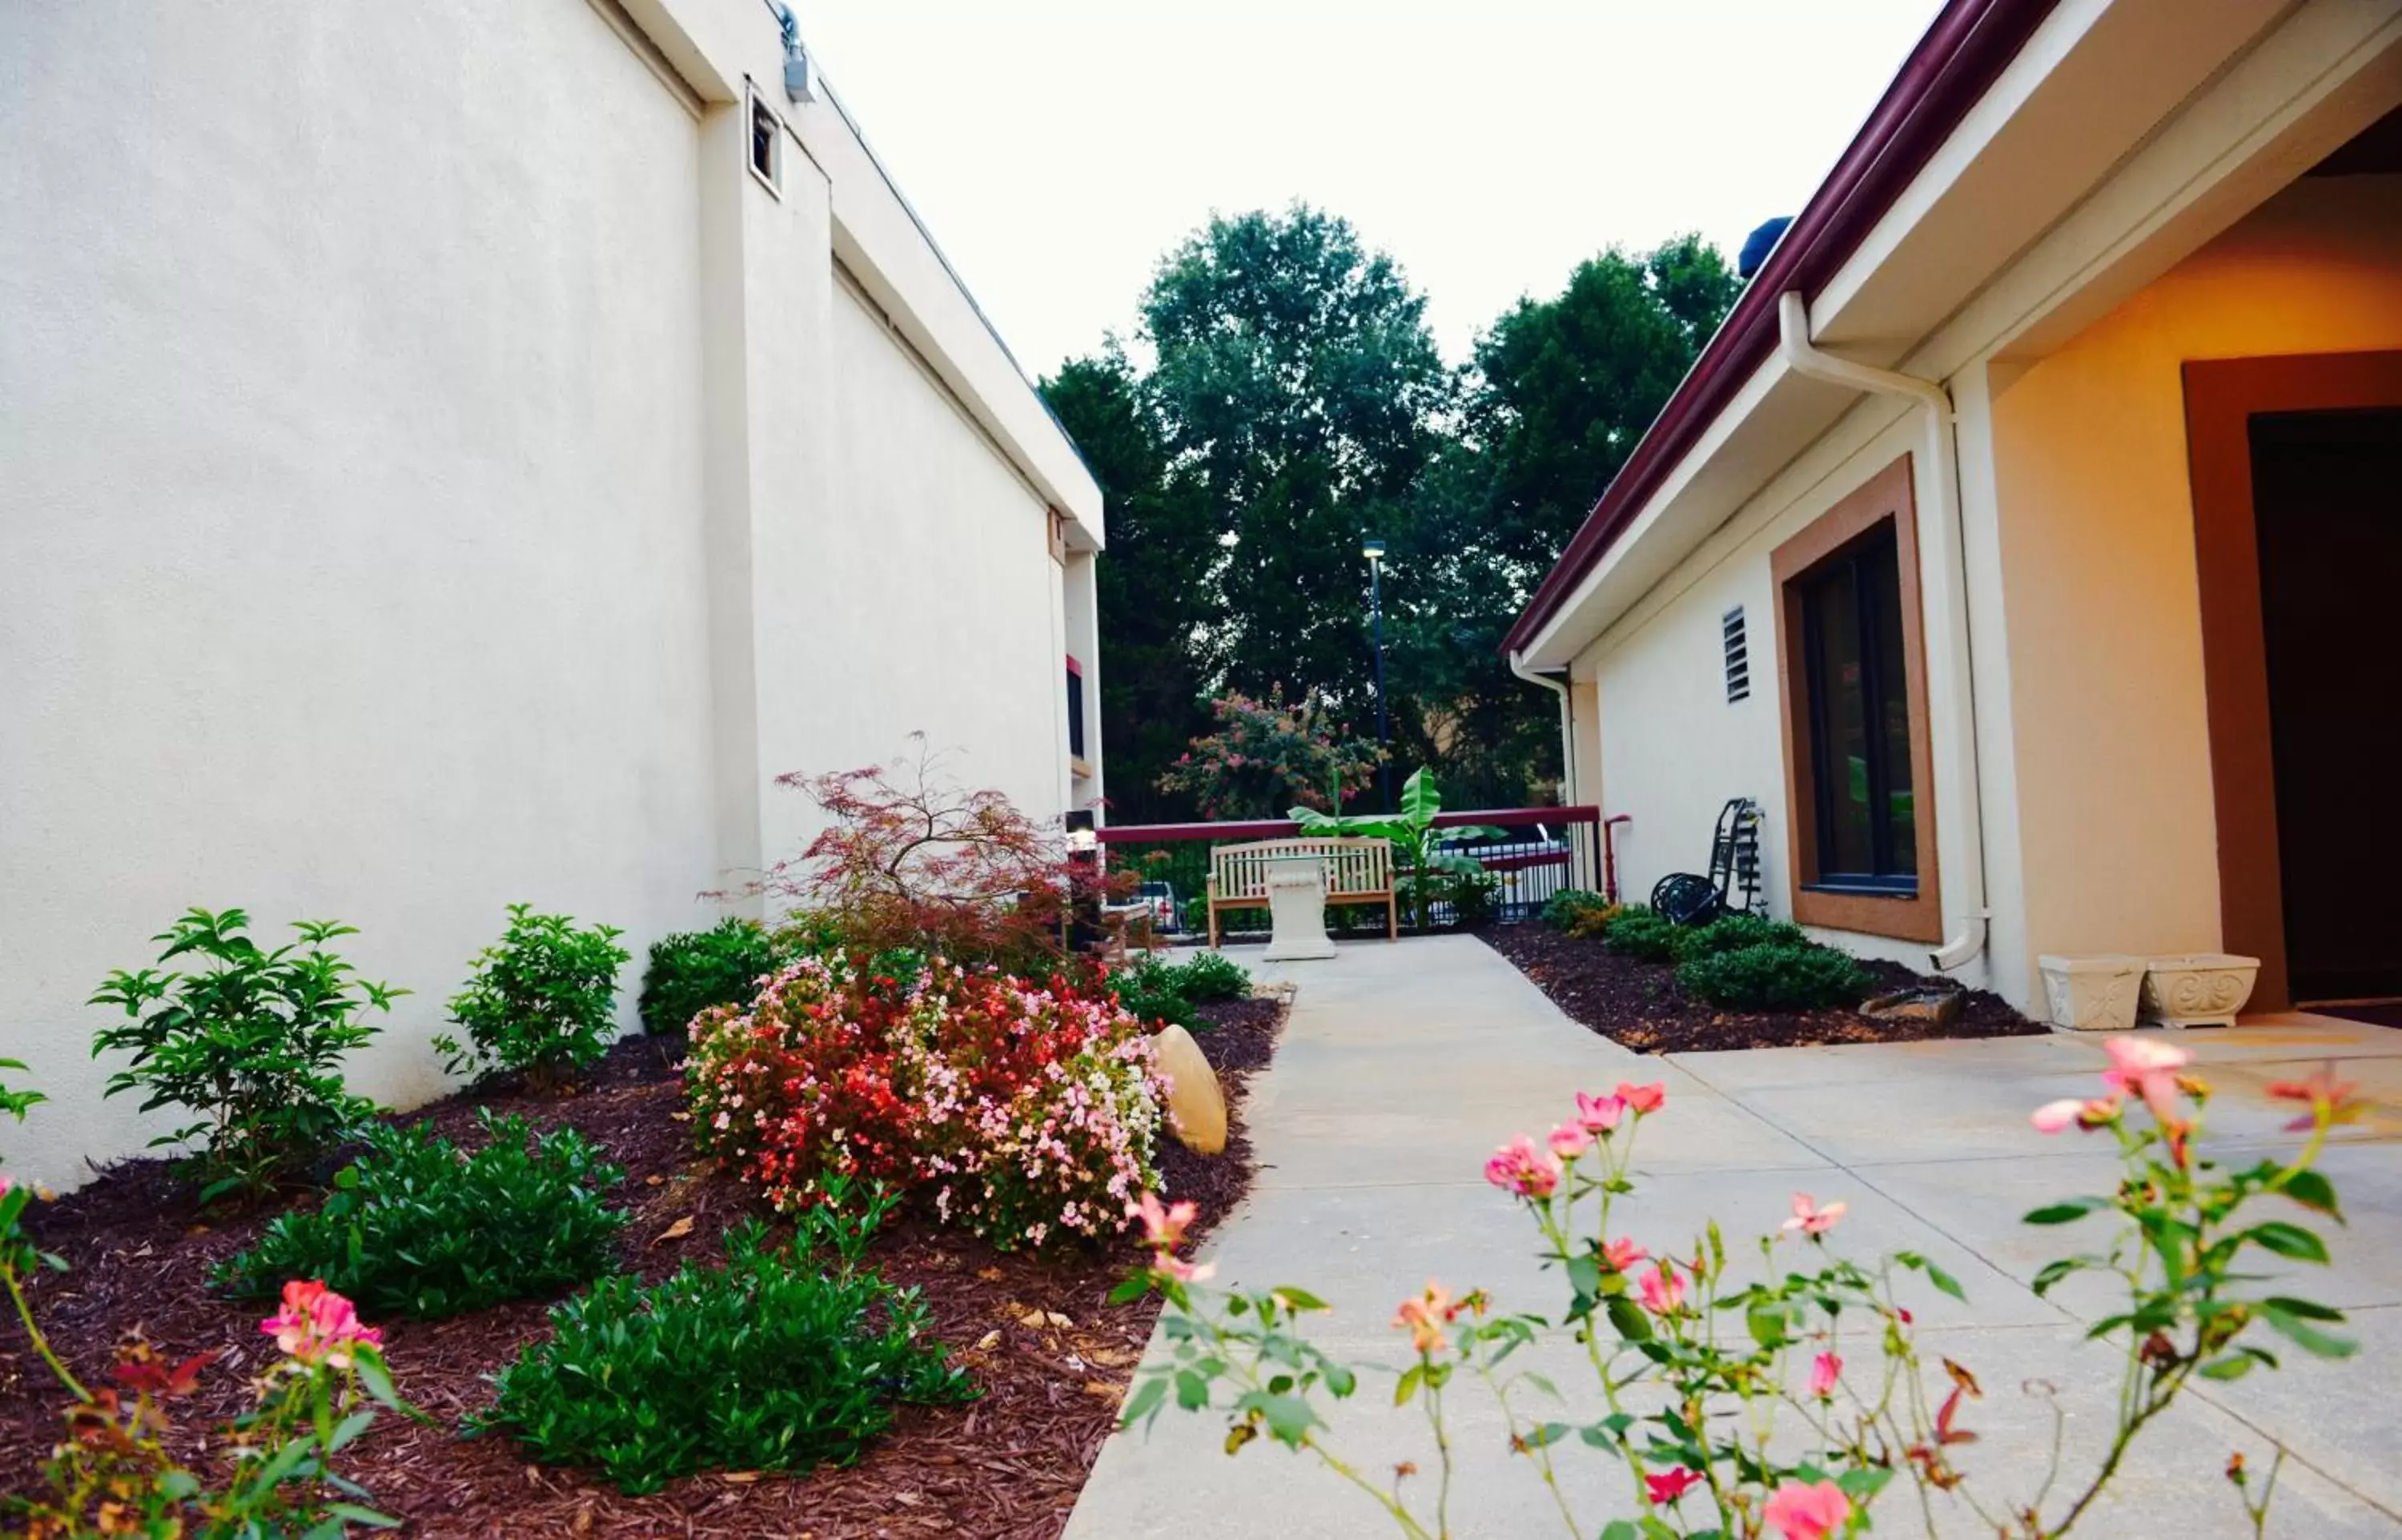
1352 866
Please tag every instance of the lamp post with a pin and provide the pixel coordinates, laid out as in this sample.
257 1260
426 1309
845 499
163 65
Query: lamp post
1375 551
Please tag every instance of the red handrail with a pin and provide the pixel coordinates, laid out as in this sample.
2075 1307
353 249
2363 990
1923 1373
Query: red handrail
1268 829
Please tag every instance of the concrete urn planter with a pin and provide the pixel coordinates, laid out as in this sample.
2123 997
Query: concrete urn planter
2199 989
1297 911
2092 993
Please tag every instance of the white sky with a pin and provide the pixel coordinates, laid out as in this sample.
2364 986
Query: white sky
1057 147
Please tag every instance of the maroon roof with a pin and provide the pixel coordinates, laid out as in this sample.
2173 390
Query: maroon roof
1948 73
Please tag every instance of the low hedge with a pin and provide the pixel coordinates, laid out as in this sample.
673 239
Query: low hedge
1776 976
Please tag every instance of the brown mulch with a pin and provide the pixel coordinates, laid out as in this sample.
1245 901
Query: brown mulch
1637 1005
1009 1464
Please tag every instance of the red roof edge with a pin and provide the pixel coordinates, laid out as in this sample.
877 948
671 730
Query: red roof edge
1958 60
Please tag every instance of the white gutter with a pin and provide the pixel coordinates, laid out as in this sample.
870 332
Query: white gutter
1950 567
1567 720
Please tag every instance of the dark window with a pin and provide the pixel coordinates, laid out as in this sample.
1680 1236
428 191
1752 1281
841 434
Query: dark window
1075 709
765 146
1859 718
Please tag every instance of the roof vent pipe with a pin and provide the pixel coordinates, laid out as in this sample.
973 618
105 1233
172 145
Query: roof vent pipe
1955 684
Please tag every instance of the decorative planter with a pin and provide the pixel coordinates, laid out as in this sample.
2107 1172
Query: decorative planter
2200 989
2094 994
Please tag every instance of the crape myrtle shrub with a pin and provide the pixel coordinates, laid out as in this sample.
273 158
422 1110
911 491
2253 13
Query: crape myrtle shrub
1024 1111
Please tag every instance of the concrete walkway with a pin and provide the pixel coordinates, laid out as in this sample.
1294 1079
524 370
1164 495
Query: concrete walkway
1407 1064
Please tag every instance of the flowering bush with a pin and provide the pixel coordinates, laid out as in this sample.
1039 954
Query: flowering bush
114 1473
1694 1409
1267 756
1022 1111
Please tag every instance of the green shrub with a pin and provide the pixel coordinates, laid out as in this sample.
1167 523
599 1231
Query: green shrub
251 1046
693 970
775 1362
1779 976
1732 932
1153 992
415 1228
1639 932
1475 896
1563 908
542 1002
1207 976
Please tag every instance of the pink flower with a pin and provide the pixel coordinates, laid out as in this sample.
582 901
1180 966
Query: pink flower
2052 1117
1663 1291
1824 1369
1568 1141
1598 1114
1810 1219
1808 1512
1622 1253
2147 1067
1519 1167
318 1325
1162 1224
1644 1098
1425 1318
1671 1484
2339 1099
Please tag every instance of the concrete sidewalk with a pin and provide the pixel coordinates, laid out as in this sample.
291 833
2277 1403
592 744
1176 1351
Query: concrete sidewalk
1404 1065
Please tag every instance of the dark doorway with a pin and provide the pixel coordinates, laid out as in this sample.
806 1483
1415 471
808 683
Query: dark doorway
2326 495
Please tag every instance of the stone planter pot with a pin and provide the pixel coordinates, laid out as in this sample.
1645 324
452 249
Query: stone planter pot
2199 989
1297 911
2092 993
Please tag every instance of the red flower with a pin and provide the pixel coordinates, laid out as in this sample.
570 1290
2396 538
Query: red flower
1672 1484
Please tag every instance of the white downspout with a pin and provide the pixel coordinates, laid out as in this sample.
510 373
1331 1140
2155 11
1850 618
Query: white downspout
1950 568
1567 722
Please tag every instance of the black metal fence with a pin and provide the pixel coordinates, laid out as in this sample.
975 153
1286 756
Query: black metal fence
1533 853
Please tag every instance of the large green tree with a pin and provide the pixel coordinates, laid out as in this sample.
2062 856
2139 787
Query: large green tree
1295 402
1153 598
1297 386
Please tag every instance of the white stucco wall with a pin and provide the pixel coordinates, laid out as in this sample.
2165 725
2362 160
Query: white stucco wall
433 474
1673 748
2118 828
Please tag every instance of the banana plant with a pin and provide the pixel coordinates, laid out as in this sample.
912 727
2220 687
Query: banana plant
1412 832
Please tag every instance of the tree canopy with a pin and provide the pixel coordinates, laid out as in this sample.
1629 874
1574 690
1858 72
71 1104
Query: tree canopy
1294 403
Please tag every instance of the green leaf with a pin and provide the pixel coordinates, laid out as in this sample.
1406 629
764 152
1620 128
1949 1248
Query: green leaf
1628 1319
1409 1385
1298 1299
2064 1211
2307 1310
2308 1338
2286 1239
1145 1402
2315 1191
1192 1391
1620 1529
353 1512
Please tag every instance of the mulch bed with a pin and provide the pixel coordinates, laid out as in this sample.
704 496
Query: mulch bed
1637 1005
1010 1463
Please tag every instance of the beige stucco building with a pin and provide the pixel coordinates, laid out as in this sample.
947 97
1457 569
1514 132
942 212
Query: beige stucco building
2078 639
457 453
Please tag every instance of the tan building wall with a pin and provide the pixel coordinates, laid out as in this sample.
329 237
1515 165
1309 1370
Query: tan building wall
2117 826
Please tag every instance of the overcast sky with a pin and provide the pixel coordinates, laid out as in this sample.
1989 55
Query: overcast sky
1057 147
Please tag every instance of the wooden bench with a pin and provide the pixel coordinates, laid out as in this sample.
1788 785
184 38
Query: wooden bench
1357 872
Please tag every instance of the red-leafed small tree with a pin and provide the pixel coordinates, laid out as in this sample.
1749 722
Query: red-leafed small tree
910 859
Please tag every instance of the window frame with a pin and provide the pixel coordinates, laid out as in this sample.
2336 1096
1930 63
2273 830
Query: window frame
1886 498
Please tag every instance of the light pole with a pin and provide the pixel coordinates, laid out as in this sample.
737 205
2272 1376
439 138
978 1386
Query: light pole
1375 551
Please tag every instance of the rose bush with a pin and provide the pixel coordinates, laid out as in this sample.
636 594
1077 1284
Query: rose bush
1782 1407
1023 1111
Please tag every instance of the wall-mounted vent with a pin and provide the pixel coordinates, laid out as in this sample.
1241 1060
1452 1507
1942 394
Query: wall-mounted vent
1739 656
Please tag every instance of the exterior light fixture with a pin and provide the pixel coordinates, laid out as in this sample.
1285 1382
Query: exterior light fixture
1373 549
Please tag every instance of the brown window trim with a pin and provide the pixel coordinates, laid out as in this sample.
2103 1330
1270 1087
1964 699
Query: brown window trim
2220 397
1884 497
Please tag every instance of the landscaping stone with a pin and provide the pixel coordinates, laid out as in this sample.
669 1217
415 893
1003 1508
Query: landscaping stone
1197 1108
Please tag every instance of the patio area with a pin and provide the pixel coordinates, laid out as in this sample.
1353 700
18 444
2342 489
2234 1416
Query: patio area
1404 1065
